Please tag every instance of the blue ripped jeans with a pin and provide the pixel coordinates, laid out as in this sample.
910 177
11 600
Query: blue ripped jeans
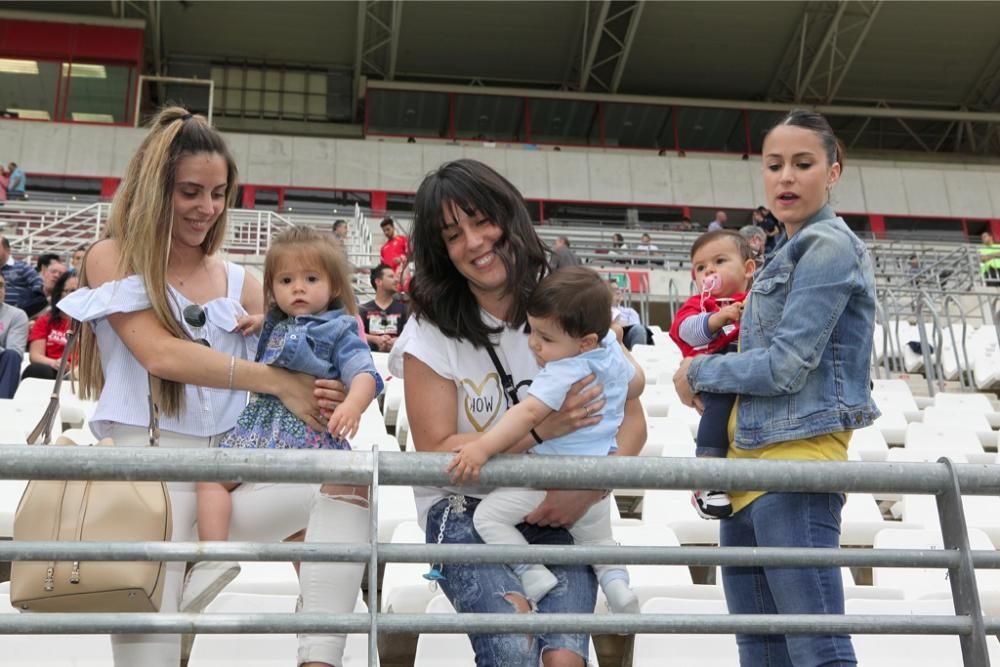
481 589
787 520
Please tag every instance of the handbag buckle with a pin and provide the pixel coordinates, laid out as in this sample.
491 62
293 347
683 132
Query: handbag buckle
74 575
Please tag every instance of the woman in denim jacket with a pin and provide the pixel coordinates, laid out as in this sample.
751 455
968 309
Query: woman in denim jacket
803 380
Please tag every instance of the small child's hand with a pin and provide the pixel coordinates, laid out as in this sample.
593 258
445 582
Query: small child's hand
344 421
466 464
733 312
249 324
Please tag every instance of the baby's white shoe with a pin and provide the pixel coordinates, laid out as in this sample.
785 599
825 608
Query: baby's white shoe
537 581
621 598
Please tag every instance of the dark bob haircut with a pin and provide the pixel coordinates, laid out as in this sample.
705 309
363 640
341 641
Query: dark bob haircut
439 292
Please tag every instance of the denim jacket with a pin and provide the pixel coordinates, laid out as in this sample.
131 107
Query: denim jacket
325 345
803 368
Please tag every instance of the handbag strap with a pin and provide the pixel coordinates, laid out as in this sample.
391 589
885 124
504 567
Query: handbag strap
509 388
42 433
506 380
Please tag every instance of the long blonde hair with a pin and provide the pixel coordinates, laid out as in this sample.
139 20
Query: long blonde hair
310 248
141 220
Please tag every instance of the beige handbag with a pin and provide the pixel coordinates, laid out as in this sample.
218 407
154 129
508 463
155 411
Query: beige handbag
90 511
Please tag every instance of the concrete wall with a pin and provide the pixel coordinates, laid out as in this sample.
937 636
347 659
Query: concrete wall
610 176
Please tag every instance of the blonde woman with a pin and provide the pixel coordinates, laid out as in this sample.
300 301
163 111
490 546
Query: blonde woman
160 301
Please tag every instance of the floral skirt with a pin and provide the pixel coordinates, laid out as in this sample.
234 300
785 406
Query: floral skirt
267 424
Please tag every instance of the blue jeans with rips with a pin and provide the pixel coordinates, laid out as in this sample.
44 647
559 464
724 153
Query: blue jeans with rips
481 588
787 520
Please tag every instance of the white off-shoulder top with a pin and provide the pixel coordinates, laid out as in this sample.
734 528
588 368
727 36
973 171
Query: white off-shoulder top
124 399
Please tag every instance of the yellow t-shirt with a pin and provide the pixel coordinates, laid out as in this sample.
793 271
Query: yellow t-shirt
829 447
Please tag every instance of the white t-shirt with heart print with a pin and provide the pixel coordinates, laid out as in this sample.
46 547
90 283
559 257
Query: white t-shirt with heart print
481 401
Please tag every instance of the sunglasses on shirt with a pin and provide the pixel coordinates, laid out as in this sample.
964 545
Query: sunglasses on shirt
194 316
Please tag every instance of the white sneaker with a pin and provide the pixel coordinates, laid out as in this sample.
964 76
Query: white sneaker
204 581
537 582
621 598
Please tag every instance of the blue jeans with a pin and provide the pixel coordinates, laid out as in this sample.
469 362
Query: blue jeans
480 588
10 372
787 520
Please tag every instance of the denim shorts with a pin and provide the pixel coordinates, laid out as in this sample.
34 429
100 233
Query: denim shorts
787 520
480 588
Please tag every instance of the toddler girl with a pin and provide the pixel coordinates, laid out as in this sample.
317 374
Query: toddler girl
310 328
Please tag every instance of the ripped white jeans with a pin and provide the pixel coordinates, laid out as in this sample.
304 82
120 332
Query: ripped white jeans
262 512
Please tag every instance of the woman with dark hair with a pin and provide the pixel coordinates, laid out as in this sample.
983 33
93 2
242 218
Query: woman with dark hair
47 339
805 349
478 259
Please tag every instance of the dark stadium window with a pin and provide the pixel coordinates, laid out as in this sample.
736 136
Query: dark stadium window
924 229
489 118
860 224
638 126
407 113
711 130
399 203
582 213
326 201
760 123
61 188
564 122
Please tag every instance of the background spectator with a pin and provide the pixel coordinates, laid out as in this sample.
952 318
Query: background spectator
50 275
633 330
685 225
383 317
24 285
47 339
562 256
757 239
719 222
16 181
13 337
340 231
989 259
3 184
76 262
396 246
45 259
647 246
772 228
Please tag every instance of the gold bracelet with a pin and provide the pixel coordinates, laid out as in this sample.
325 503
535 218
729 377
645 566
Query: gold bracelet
232 371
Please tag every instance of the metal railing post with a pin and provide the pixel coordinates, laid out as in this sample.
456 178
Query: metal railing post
964 591
373 563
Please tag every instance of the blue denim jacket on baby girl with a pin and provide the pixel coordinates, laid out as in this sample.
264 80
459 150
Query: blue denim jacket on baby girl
805 340
326 345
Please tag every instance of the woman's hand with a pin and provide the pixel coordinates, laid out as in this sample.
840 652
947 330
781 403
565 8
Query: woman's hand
328 394
580 403
683 388
563 507
296 391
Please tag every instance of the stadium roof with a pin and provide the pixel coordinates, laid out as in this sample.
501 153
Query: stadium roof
941 57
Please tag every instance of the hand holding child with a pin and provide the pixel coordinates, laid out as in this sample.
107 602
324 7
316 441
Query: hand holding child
466 464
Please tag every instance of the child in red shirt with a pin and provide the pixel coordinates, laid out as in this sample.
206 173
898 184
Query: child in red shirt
708 323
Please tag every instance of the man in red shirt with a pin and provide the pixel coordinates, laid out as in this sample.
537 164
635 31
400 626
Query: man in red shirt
395 248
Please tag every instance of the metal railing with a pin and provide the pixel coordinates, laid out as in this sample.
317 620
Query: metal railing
945 480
